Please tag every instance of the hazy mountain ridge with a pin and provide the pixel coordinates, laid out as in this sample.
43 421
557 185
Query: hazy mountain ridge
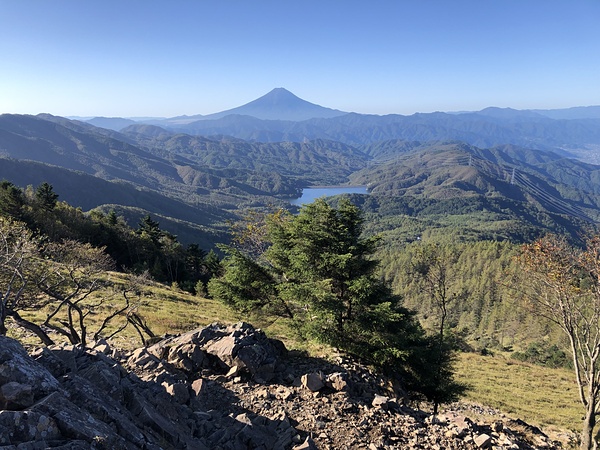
454 170
282 116
111 123
106 154
483 130
318 161
75 147
576 112
439 156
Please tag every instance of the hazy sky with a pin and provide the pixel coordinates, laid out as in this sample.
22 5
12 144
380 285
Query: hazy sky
166 58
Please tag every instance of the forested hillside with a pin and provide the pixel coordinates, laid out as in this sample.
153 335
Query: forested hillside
486 128
312 162
143 247
449 192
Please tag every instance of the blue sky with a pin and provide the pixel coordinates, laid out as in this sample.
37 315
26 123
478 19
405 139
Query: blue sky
165 58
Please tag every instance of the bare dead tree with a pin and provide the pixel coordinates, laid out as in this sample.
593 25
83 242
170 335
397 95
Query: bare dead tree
131 292
564 286
18 250
69 274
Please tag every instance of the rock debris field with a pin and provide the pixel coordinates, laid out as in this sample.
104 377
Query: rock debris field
223 388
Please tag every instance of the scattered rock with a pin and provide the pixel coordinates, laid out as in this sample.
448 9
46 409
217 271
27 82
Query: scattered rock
380 401
483 441
336 382
179 391
312 381
497 426
198 386
222 388
308 444
15 396
102 346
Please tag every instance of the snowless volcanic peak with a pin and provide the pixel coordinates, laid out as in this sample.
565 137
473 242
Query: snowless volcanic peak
280 104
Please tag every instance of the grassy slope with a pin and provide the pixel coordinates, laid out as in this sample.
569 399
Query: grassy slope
165 310
540 396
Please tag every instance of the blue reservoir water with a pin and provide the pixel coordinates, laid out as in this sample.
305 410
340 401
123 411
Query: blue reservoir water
309 195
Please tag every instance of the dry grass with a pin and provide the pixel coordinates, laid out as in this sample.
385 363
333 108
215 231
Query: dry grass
545 397
165 310
540 396
168 310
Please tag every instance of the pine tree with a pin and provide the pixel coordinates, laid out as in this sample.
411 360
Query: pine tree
11 200
323 258
319 268
46 197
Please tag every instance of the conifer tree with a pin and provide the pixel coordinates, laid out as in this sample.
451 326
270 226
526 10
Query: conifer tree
46 197
318 268
11 200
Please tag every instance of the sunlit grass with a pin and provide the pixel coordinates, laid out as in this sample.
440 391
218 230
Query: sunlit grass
545 397
166 310
541 396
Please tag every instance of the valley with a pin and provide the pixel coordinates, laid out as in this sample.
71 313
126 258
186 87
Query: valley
162 194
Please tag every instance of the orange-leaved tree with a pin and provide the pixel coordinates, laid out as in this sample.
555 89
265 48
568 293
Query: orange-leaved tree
563 284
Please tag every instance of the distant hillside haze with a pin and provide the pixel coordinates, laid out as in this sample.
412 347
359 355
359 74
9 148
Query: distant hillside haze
577 112
280 116
202 182
111 123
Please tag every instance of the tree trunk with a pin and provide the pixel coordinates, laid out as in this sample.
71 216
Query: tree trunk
3 329
35 329
587 433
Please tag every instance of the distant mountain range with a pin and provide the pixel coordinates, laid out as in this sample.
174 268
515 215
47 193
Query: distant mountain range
281 116
195 182
278 104
198 175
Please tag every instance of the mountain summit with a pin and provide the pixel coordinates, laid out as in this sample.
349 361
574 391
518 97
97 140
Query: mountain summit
279 104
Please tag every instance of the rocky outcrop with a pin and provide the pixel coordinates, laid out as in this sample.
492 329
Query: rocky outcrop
219 388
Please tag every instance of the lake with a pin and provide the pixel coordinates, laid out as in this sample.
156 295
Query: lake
309 195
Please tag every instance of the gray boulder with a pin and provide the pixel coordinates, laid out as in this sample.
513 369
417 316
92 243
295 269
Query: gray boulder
17 366
238 346
15 396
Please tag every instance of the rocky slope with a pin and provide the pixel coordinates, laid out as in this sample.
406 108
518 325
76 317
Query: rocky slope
222 388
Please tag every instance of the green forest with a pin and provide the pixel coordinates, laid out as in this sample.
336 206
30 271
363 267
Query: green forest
486 311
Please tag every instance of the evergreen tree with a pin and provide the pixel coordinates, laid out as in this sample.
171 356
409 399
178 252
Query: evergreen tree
46 197
11 200
318 269
323 258
212 264
111 218
245 285
150 229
